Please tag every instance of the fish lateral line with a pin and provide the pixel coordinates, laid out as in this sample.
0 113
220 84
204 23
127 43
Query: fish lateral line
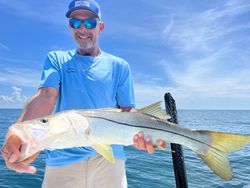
152 128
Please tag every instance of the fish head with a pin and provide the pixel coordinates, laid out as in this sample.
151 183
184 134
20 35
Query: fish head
39 129
35 135
70 123
58 130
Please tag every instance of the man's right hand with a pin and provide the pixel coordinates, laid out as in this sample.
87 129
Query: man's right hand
41 104
11 152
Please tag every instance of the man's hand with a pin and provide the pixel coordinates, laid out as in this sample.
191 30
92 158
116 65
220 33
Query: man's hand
41 104
142 143
11 152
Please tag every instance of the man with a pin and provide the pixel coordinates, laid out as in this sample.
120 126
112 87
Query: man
84 78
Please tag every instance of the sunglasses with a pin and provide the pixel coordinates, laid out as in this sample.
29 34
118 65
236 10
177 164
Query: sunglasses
88 23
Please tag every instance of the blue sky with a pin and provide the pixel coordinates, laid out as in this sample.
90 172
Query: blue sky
197 50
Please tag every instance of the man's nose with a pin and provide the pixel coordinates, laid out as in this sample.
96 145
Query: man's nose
82 27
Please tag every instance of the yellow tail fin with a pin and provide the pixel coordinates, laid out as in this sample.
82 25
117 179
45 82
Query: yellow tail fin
220 146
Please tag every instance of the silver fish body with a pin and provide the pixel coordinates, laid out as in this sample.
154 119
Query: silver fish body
120 129
102 127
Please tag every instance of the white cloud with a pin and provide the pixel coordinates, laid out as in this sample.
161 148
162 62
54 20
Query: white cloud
52 12
16 96
4 46
6 99
201 81
212 55
22 62
131 31
146 94
20 76
188 98
197 30
147 79
20 72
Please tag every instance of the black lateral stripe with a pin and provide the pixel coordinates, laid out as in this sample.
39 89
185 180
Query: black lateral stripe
131 125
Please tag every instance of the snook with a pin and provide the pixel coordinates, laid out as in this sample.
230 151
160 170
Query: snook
102 127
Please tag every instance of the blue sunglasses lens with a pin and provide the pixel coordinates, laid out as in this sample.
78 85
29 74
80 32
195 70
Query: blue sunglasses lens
89 23
74 23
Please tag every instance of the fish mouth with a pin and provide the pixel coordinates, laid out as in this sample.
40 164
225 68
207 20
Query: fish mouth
21 134
33 140
31 134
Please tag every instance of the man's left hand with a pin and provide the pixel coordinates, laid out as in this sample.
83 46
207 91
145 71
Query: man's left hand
145 143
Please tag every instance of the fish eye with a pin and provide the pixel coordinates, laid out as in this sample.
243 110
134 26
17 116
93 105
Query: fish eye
44 120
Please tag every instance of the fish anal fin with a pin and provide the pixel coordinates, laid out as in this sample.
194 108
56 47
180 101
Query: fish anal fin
218 162
104 150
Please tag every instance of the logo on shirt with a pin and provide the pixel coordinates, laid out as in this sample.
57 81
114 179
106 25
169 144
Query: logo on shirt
81 3
71 70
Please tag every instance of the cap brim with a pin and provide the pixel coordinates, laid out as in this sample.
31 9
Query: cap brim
80 8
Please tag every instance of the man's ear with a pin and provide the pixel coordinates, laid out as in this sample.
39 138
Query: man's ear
101 26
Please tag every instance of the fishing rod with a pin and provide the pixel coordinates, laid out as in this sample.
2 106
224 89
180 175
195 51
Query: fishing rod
177 151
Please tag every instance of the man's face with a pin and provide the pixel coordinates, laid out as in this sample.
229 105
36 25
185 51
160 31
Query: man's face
87 39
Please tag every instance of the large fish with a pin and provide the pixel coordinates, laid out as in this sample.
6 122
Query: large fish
102 127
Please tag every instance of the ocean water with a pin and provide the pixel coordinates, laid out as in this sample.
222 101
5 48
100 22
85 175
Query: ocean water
145 170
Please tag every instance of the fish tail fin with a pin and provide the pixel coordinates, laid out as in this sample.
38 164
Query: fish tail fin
220 146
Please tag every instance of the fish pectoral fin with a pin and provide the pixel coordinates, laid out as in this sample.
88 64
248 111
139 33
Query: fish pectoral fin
104 150
156 111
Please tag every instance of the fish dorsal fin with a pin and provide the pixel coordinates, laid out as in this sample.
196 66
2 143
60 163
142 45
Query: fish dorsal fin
156 111
104 150
110 109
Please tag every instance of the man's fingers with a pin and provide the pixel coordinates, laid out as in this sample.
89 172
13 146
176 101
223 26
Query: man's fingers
136 143
161 144
30 159
5 154
11 153
11 148
22 168
141 141
149 145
